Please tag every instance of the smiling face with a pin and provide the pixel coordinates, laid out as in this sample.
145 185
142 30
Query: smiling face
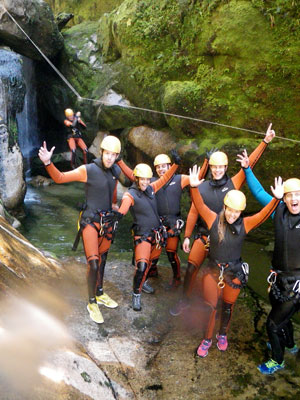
218 171
292 201
108 158
231 215
143 183
161 169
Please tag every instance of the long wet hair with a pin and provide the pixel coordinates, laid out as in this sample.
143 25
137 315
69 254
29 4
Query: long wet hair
221 226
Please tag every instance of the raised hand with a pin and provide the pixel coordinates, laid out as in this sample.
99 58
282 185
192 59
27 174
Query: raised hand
243 159
194 173
270 134
278 188
210 152
44 154
175 157
186 245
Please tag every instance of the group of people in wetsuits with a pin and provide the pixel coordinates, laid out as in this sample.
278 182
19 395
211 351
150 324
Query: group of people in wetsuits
155 207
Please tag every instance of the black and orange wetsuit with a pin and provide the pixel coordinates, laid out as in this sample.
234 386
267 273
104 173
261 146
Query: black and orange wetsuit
226 273
149 233
97 220
75 138
213 193
168 206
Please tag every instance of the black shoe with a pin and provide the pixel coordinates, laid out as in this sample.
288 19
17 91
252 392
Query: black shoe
136 302
147 288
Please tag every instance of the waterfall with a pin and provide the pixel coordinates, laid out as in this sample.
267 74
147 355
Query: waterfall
28 132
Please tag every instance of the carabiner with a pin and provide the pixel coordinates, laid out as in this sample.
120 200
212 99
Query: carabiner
271 279
296 287
221 283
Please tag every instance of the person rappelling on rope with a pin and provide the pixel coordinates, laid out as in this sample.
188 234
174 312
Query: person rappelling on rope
213 192
74 124
284 277
226 273
168 205
149 232
99 216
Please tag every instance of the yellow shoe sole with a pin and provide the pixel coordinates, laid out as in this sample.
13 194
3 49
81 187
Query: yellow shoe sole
95 316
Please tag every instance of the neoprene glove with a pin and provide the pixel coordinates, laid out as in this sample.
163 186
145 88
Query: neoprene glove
210 152
175 157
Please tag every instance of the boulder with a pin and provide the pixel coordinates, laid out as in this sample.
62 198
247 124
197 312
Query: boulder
36 19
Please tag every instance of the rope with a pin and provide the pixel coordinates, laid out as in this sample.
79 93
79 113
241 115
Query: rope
138 108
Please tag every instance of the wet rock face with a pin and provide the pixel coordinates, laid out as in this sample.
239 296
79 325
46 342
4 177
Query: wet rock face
12 92
12 88
37 20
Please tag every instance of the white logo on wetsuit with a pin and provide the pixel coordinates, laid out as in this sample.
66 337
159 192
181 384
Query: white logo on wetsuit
297 226
224 189
172 183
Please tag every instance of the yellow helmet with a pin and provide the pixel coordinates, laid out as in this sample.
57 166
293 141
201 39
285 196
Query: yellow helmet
69 112
218 158
161 159
291 185
111 143
142 171
235 199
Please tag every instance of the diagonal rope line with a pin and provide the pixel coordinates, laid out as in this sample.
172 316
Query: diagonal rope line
138 108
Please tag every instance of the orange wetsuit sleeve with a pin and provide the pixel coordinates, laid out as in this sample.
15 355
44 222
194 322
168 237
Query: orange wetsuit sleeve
239 179
128 172
191 221
67 122
164 179
82 123
205 212
115 193
257 219
77 175
185 179
127 202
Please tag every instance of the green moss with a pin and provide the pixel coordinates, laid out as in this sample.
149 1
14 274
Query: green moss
83 10
229 56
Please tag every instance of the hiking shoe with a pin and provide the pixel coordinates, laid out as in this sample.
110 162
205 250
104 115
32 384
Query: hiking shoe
106 301
291 350
203 348
179 307
147 288
173 284
136 302
95 313
222 342
270 367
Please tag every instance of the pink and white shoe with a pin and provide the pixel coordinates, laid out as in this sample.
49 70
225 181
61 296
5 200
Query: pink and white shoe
222 342
203 348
